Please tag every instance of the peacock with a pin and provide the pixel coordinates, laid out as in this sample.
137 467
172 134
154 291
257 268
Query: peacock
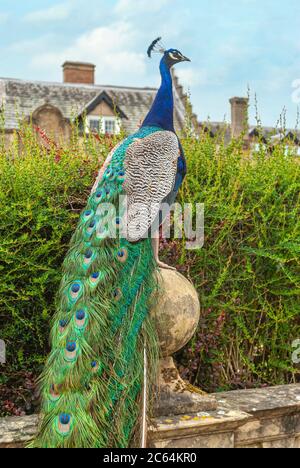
92 386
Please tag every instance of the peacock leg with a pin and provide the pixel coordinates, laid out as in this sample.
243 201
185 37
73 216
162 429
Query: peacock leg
155 247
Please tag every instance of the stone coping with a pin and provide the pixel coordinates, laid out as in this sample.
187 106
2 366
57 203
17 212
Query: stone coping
223 419
281 399
265 418
258 418
17 431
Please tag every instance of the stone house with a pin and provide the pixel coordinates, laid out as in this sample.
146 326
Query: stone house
253 136
53 106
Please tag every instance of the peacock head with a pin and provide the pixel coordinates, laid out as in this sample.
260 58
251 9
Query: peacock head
170 57
173 56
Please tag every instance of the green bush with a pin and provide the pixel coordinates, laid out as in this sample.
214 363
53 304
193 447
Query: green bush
247 274
42 191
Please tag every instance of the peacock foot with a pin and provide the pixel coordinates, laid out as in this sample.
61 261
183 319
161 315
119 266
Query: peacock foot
164 265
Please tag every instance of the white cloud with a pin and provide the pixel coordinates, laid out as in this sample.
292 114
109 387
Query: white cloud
56 13
110 48
192 77
137 7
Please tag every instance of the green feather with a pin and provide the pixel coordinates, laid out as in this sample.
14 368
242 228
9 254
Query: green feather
91 384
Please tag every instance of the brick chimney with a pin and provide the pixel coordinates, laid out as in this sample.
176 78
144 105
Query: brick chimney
79 72
239 116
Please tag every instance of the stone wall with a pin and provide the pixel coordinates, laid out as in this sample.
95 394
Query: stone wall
15 432
265 418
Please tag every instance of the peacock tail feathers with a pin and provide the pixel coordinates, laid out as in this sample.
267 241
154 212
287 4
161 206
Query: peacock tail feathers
92 381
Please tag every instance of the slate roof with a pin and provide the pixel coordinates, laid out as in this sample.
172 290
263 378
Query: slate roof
272 133
276 133
24 97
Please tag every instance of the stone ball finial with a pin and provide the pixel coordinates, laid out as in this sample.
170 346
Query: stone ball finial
176 313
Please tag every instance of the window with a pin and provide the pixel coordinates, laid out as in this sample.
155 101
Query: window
110 126
99 124
94 125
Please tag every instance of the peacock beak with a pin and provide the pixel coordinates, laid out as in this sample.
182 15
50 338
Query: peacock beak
185 59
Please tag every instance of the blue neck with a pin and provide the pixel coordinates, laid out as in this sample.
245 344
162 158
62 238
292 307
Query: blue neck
161 112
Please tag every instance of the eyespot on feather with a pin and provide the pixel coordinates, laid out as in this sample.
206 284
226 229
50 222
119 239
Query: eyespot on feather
71 351
121 176
54 394
90 229
122 255
63 424
81 319
99 196
87 214
95 278
95 367
109 174
76 290
88 257
108 193
62 325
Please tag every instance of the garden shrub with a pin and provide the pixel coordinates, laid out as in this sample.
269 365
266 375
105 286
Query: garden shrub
42 191
247 275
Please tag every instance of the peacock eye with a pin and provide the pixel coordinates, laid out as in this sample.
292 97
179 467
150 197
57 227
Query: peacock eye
64 418
95 366
75 288
88 254
122 255
80 315
71 346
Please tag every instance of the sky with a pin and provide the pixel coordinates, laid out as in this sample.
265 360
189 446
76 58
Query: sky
234 45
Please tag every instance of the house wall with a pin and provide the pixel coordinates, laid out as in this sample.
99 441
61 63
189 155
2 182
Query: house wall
51 120
102 109
8 138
